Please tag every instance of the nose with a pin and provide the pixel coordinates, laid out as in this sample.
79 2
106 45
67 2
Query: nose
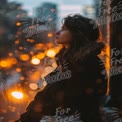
57 32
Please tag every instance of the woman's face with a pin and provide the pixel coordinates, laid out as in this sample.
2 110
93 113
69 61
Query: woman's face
63 36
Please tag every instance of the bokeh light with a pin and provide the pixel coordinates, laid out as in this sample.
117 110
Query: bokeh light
18 69
50 35
33 86
44 83
18 24
48 69
40 55
17 94
35 61
3 63
51 53
24 57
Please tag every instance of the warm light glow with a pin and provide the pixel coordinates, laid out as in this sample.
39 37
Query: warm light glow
40 55
35 76
51 53
50 35
54 65
22 78
31 40
50 45
17 42
3 63
43 75
44 83
21 48
39 46
33 86
35 61
10 54
18 24
17 95
24 57
48 69
12 60
18 69
31 52
7 63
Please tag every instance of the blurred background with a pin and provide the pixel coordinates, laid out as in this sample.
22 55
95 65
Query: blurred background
27 46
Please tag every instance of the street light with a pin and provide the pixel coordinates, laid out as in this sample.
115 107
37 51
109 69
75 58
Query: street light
17 94
35 61
51 53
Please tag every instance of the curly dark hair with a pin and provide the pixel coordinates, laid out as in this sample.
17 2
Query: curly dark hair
85 39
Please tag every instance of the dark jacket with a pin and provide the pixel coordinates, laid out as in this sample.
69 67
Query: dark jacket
78 87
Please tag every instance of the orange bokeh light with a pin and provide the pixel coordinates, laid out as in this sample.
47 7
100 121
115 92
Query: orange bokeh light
50 35
51 53
24 57
40 55
3 63
18 24
18 69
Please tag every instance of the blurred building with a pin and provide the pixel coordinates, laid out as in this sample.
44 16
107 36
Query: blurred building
3 2
84 9
46 18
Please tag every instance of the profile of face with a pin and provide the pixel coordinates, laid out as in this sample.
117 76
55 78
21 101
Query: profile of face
63 36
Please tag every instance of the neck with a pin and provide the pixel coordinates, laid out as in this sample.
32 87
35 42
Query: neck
66 46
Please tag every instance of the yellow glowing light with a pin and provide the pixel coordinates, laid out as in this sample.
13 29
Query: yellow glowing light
7 63
51 53
33 86
49 34
35 61
18 24
3 64
24 57
17 95
40 55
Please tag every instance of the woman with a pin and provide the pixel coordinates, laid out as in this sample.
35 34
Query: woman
74 88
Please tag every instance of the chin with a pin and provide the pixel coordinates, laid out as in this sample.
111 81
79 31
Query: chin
58 42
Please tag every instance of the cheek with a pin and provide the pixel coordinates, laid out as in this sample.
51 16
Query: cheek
65 37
